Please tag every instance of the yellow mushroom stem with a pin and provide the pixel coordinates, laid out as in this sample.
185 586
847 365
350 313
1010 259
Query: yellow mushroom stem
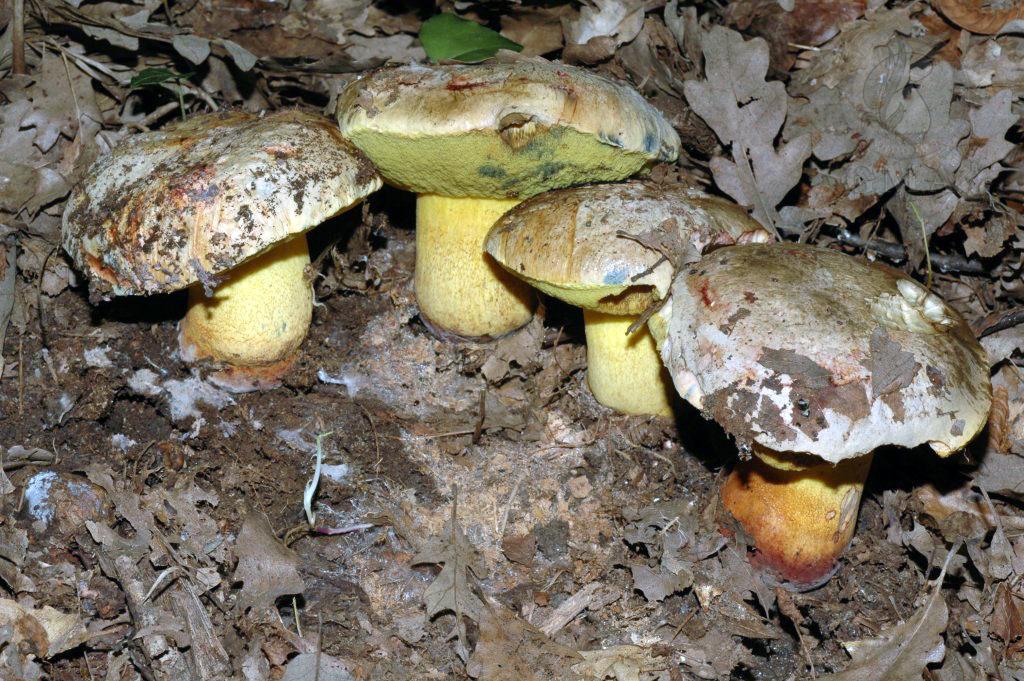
799 511
258 316
460 289
625 371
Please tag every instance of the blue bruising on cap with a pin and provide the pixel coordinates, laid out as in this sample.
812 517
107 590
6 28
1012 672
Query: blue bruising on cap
617 276
650 142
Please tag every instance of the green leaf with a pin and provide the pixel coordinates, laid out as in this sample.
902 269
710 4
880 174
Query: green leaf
448 37
155 76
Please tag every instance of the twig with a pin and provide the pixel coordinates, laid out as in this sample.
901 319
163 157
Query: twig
789 610
376 438
450 433
151 117
1002 321
319 643
21 375
686 620
924 244
570 608
508 505
347 529
645 316
479 428
295 612
897 253
209 658
18 39
39 292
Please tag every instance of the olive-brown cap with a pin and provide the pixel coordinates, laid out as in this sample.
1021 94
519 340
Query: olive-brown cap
567 243
804 349
502 129
166 209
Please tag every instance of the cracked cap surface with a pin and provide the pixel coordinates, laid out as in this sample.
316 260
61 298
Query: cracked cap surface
168 208
804 349
501 129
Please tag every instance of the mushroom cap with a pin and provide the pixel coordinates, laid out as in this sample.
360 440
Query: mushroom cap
504 129
803 349
566 243
166 209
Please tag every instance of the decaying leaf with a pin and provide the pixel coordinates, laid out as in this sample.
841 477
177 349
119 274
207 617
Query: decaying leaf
657 585
45 631
322 666
747 116
1008 623
267 568
806 22
602 25
622 663
452 589
511 649
903 651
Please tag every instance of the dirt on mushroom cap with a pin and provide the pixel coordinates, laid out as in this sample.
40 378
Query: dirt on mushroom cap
803 349
166 209
510 129
566 242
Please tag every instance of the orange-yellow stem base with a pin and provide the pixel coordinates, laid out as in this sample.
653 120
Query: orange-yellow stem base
799 513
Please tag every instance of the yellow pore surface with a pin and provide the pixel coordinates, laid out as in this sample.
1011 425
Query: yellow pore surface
260 315
483 164
625 372
460 288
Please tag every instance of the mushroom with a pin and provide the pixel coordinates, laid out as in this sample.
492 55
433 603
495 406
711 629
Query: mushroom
471 142
567 243
812 360
219 204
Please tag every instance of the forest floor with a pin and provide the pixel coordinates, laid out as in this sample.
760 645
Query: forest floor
153 525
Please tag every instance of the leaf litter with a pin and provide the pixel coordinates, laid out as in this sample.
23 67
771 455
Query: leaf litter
584 544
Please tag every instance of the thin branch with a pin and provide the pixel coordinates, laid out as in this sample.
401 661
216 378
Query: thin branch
896 253
18 39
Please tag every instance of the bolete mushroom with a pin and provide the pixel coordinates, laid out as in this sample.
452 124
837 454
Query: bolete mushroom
471 142
585 246
812 360
219 204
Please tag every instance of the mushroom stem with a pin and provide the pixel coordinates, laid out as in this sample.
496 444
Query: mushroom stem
799 511
625 371
460 289
258 317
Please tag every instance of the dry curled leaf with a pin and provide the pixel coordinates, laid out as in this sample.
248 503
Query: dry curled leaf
747 117
903 651
657 585
970 15
267 568
511 649
602 25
